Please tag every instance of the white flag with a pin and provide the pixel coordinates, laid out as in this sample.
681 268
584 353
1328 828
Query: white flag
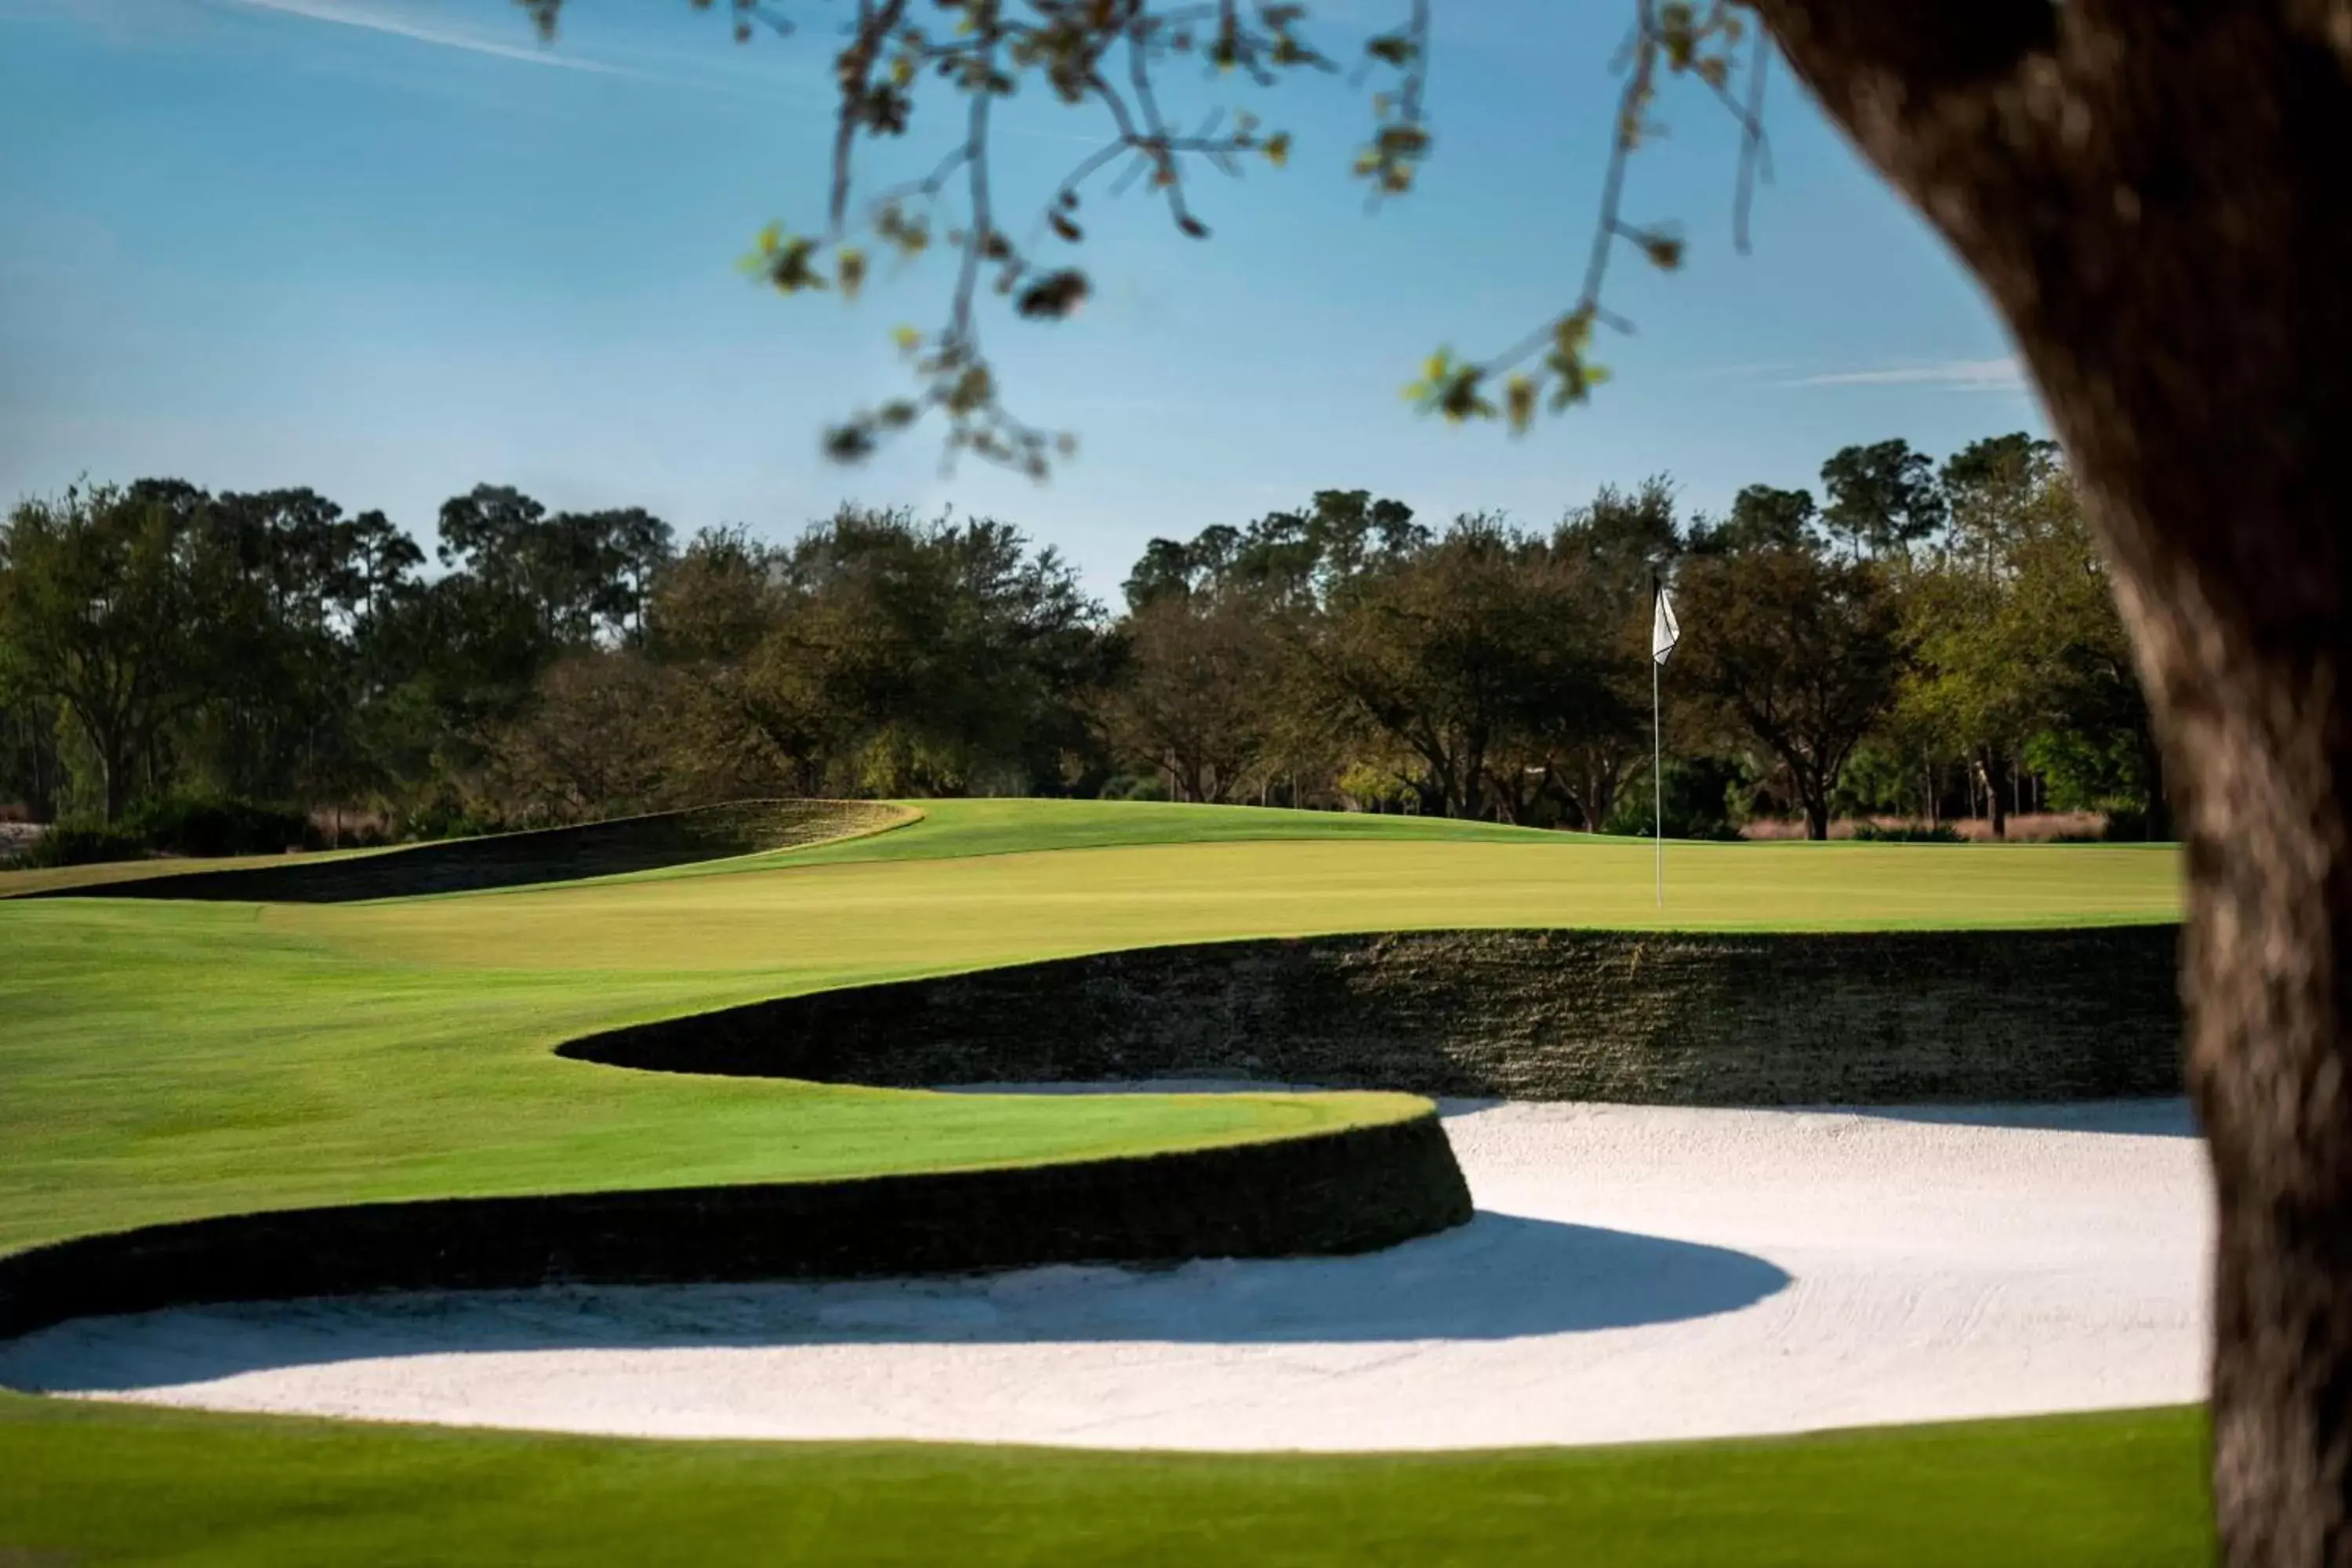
1664 630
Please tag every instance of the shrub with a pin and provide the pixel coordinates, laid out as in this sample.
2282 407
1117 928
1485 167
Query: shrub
205 825
448 819
1698 793
78 841
1132 787
1906 833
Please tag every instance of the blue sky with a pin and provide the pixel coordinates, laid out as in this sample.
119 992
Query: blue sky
391 249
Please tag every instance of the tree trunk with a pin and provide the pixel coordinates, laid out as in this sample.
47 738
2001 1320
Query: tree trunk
1988 766
2160 808
2266 766
1817 816
115 766
2156 197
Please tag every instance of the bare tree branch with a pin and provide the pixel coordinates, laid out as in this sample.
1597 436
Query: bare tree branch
885 55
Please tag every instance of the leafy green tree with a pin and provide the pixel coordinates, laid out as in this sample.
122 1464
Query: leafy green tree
97 615
1800 654
715 602
2018 637
940 659
31 773
1624 540
283 578
1988 483
1199 672
1883 497
1474 644
1293 559
594 743
584 575
1762 518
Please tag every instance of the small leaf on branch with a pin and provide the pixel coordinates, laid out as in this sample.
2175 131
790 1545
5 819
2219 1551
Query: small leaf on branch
849 443
791 270
1665 250
971 392
1519 400
1054 296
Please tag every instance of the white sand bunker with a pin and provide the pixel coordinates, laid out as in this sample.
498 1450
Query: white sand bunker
1633 1273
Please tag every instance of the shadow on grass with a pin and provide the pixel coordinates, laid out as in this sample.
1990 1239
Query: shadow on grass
2147 1117
617 848
1500 1277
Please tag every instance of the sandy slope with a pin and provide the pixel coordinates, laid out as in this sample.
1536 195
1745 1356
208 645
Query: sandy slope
1633 1273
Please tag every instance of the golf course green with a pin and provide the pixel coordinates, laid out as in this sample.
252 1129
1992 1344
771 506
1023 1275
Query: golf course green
166 1059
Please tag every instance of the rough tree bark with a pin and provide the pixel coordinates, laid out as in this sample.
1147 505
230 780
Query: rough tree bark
2158 197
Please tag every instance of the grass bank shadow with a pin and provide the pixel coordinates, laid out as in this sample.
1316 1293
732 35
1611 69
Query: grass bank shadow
617 848
2167 1117
2170 1117
1500 1277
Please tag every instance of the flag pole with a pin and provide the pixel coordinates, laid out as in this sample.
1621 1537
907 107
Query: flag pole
1665 632
1658 785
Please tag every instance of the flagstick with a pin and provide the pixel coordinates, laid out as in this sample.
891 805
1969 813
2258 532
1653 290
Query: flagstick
1658 783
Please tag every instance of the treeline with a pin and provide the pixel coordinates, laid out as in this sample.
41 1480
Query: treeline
1925 642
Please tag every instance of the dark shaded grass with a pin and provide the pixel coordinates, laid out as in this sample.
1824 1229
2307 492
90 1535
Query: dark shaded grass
620 847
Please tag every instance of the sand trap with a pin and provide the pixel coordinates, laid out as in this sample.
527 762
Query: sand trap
1633 1273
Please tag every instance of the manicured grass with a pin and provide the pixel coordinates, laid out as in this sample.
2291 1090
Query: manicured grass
164 1059
113 1484
169 1059
960 829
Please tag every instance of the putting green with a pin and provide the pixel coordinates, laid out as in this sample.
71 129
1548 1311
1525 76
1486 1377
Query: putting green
167 1059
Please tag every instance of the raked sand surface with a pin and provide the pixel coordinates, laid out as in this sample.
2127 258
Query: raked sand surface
1633 1273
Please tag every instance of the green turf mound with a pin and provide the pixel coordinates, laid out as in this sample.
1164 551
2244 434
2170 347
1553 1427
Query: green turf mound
513 859
1859 1018
1353 1190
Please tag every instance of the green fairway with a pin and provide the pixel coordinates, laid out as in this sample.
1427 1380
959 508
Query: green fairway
2121 1489
166 1059
171 1060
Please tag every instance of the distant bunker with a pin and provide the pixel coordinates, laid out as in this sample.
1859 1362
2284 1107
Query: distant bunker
1679 1018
